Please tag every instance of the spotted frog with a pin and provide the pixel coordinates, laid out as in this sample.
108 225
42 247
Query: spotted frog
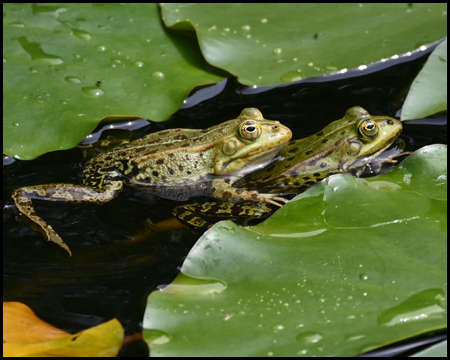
175 164
344 146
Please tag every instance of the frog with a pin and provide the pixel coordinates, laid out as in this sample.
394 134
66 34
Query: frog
346 145
174 164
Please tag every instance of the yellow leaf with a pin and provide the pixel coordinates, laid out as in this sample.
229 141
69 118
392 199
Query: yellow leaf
24 334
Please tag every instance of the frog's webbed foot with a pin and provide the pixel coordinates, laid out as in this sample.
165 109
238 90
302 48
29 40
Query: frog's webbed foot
230 194
28 215
59 193
200 217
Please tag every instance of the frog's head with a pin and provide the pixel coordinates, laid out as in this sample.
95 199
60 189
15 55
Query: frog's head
371 135
254 142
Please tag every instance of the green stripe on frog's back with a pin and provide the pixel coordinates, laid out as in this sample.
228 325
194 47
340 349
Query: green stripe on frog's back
340 147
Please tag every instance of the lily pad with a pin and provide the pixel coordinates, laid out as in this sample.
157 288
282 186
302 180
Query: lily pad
346 267
268 44
428 93
66 66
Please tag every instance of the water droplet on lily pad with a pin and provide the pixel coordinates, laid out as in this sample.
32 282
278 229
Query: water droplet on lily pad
309 337
158 74
81 34
139 64
289 76
92 90
245 27
101 48
17 24
72 79
277 51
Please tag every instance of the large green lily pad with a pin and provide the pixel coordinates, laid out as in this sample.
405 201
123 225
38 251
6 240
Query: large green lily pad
66 66
348 266
268 44
428 93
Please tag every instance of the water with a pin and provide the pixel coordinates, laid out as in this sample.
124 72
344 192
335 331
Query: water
108 277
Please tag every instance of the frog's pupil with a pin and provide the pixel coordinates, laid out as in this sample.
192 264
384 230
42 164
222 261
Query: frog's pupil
251 129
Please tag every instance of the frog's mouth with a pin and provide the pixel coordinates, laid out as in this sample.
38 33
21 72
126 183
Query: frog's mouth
252 163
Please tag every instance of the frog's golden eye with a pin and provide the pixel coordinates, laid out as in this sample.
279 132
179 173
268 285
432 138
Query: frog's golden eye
368 128
250 130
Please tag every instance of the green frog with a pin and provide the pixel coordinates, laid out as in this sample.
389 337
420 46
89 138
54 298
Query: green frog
344 146
175 164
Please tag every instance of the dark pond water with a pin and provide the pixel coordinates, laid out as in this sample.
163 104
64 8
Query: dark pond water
110 276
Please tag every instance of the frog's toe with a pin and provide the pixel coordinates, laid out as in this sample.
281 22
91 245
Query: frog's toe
276 201
54 237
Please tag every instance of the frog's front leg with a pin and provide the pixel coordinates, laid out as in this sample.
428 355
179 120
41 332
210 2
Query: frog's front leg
59 192
223 190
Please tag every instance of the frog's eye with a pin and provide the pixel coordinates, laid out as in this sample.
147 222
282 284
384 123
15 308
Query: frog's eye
250 130
368 128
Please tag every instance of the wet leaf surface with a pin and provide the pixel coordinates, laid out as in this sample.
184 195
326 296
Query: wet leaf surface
346 267
268 44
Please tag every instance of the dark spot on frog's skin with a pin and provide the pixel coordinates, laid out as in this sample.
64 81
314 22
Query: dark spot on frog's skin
108 158
201 154
270 168
155 173
309 183
317 175
195 164
180 137
171 171
344 132
239 191
324 141
390 122
186 157
266 178
188 172
308 152
171 155
164 178
287 166
323 165
312 163
320 133
160 161
227 180
306 178
291 158
226 195
293 150
180 167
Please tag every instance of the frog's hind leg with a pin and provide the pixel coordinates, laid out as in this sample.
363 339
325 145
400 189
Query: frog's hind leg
57 192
